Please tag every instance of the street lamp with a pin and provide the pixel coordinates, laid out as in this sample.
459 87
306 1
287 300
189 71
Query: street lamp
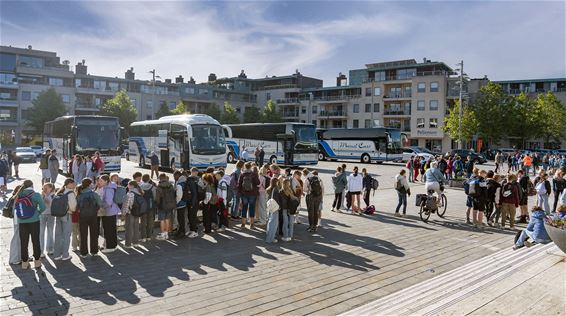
153 94
461 109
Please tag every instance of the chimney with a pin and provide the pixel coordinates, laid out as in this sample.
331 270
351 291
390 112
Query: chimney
80 68
29 47
130 75
242 74
167 80
341 80
424 59
179 79
191 80
211 77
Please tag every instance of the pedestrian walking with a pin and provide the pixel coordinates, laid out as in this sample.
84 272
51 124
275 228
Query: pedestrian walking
15 255
403 190
53 166
367 181
44 167
154 160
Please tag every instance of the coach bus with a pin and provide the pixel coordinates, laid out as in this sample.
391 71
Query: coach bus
377 144
84 135
289 144
179 141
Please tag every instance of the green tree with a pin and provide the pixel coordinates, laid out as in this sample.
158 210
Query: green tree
270 113
551 116
181 108
46 107
491 110
214 112
521 118
122 107
452 123
252 115
229 116
162 111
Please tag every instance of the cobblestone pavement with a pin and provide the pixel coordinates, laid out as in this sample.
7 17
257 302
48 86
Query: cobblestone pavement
352 260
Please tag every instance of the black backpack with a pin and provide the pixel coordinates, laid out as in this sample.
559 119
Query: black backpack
247 182
316 187
60 204
149 198
187 194
88 205
139 207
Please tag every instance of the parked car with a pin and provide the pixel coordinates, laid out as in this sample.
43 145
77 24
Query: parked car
26 154
464 153
408 152
38 150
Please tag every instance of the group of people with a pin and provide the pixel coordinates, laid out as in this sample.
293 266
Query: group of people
348 189
259 155
451 167
529 162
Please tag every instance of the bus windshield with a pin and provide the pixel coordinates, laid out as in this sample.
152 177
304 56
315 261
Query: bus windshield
305 137
97 135
208 140
394 141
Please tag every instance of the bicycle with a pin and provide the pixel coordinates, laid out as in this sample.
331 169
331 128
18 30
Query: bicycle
428 205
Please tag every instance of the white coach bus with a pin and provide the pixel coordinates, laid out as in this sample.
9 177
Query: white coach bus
289 144
376 144
179 141
84 135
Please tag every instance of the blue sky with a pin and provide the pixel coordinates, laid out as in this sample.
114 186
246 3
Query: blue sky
500 39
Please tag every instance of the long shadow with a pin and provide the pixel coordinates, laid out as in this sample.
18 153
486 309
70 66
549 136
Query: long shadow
388 218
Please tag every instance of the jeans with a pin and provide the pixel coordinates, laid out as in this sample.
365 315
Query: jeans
181 215
402 201
193 219
262 203
88 229
46 225
288 224
313 206
133 229
147 221
208 217
110 231
272 224
15 251
528 234
63 229
235 205
248 203
411 174
337 203
27 230
542 201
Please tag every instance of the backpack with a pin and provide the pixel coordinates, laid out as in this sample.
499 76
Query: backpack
8 210
408 165
149 198
473 187
293 205
87 204
247 182
234 181
168 201
187 194
316 187
120 195
531 188
43 164
140 206
507 190
225 186
370 210
547 187
24 206
374 184
491 189
398 185
60 204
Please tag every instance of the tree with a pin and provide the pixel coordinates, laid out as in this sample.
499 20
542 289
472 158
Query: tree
452 123
229 116
491 110
46 107
214 112
551 116
252 115
522 118
270 113
162 111
181 108
122 107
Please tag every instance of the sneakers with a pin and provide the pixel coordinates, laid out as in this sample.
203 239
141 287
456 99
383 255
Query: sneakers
528 244
162 236
397 214
221 229
404 215
136 245
66 258
25 265
108 250
83 256
273 242
243 226
515 247
468 221
286 239
37 264
192 235
58 258
125 246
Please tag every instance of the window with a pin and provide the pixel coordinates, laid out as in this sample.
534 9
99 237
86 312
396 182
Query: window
7 62
66 98
114 86
29 61
8 114
8 79
189 90
434 86
203 91
367 123
172 105
304 110
26 96
420 105
100 85
77 83
433 105
314 109
376 107
377 91
149 104
356 124
433 123
368 108
356 108
421 87
268 96
368 92
34 95
379 75
313 122
420 123
56 82
148 117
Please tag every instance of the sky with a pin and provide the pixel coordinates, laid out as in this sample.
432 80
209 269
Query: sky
504 40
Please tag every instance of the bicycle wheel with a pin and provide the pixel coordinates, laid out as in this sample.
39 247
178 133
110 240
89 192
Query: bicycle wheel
442 206
424 213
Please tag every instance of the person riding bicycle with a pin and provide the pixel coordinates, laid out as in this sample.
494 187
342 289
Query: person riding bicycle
434 179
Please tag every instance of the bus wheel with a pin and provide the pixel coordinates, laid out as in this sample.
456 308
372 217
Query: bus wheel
231 158
273 160
366 158
142 161
321 156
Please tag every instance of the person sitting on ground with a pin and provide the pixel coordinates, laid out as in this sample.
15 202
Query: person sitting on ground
535 230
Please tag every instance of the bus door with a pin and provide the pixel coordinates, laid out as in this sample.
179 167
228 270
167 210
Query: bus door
180 144
288 142
382 148
66 154
163 145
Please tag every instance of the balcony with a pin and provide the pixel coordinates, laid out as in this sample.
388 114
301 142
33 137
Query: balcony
86 106
288 101
398 96
333 113
290 114
397 111
408 77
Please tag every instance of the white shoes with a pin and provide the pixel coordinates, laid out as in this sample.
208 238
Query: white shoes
192 234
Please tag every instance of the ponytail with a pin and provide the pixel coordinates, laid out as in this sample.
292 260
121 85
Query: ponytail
85 183
65 184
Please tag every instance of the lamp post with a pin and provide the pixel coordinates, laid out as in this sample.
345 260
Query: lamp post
460 97
152 72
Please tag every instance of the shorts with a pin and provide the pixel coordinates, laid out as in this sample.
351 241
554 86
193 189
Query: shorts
355 193
164 215
45 173
469 201
479 205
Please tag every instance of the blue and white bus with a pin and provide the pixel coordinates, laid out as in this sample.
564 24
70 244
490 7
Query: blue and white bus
377 144
180 141
84 135
288 144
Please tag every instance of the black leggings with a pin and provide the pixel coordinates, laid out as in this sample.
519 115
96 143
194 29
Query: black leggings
25 231
337 203
88 227
366 197
110 231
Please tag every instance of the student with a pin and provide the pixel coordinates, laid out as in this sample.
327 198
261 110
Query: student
273 221
154 165
524 186
46 221
314 189
339 181
543 188
15 251
194 185
222 189
88 164
248 187
366 183
535 230
403 189
289 205
44 167
63 224
28 207
88 203
148 219
132 222
180 183
53 166
509 198
111 211
355 187
82 168
494 198
210 203
166 203
234 178
16 160
469 198
558 186
262 196
297 184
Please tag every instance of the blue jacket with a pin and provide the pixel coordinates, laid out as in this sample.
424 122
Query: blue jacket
536 225
434 175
